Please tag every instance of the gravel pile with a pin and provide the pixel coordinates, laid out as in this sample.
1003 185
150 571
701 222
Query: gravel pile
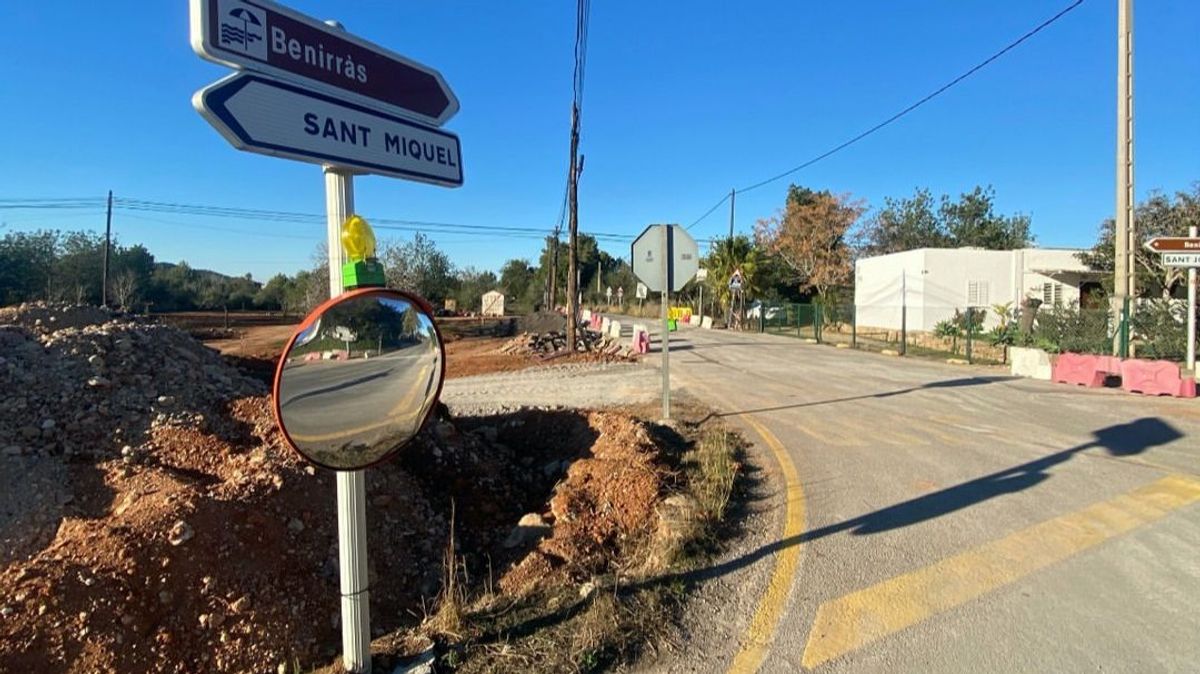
553 344
82 381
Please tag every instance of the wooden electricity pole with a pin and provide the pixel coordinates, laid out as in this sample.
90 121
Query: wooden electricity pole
573 234
107 246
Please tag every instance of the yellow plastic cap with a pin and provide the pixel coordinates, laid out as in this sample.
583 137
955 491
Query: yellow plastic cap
358 239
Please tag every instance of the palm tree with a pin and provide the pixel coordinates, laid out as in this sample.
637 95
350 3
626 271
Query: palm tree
726 257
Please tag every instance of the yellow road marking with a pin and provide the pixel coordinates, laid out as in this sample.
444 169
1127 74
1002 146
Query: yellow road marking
761 631
850 622
825 433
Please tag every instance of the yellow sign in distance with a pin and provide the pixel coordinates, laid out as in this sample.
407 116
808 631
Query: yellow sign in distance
358 239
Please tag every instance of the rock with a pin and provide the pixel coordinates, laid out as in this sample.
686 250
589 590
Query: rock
30 432
13 450
99 382
180 533
165 597
240 604
422 664
166 400
295 525
529 529
48 424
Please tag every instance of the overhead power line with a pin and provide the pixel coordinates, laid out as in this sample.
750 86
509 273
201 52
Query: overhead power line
929 97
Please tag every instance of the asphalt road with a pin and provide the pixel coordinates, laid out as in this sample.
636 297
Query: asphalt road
949 518
327 404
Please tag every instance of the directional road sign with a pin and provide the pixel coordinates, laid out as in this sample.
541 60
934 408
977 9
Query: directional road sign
272 39
670 244
1174 244
281 119
1181 260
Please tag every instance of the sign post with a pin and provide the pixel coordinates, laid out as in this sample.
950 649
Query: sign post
1191 317
665 258
309 91
351 484
1178 251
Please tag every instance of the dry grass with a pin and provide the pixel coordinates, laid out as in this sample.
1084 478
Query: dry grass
715 470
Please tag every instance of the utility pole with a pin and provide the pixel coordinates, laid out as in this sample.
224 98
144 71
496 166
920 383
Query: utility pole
573 233
1125 240
554 271
599 272
732 200
107 246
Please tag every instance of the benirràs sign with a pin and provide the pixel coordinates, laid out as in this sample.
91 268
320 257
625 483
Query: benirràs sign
275 40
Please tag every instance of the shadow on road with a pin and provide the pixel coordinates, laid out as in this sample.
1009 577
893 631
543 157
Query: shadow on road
946 383
1127 439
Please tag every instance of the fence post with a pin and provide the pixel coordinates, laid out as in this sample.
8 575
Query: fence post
1124 350
818 321
797 306
853 326
903 330
970 331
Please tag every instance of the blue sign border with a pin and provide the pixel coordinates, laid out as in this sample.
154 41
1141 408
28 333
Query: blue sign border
215 99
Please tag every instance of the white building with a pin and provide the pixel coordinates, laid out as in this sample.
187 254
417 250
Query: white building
492 303
932 283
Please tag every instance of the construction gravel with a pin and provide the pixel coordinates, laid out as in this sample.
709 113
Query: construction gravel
575 386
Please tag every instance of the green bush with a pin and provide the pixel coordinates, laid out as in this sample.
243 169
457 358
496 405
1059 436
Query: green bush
1160 328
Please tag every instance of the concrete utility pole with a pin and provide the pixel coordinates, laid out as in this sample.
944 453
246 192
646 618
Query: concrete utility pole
1125 269
573 233
107 246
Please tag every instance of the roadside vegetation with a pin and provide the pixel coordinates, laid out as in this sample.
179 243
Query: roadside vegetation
578 620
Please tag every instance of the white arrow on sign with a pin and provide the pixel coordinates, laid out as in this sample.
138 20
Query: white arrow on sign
257 114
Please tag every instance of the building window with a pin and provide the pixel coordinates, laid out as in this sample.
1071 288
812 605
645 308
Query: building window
1052 294
977 293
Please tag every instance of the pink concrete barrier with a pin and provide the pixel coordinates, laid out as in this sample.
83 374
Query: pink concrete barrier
1155 378
1078 369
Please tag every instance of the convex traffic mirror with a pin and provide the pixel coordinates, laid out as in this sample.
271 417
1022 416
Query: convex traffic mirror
359 378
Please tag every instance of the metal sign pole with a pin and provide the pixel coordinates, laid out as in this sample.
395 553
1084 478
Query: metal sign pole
668 264
1191 323
351 485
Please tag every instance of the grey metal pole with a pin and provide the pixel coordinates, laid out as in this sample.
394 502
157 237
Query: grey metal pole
1191 323
666 332
351 485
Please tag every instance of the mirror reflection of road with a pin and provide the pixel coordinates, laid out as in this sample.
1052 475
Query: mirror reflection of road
328 403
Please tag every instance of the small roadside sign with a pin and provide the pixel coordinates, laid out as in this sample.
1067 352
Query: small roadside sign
1174 244
608 294
735 281
281 119
642 291
620 293
1184 260
264 36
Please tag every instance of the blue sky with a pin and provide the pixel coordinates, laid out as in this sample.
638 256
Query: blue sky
683 102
